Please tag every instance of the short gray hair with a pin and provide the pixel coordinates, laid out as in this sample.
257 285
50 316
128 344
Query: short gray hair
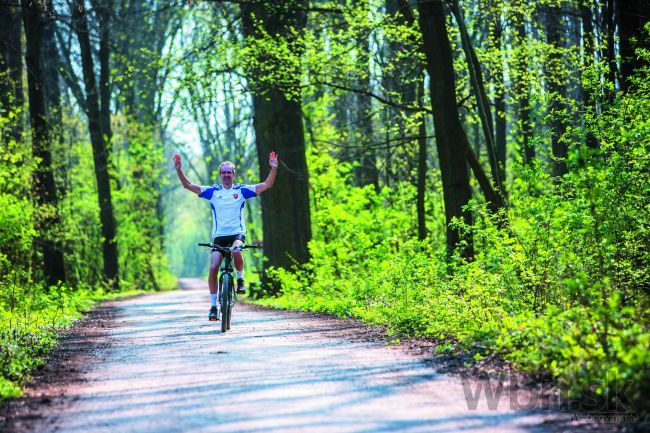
227 163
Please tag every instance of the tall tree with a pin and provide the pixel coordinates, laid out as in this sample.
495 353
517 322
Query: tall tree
556 83
104 10
449 131
100 154
422 169
139 85
444 87
139 55
405 79
632 16
366 172
52 83
34 20
478 87
587 96
609 11
11 64
278 126
52 76
522 83
496 35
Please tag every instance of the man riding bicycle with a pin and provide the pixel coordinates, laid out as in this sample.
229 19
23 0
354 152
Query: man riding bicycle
228 229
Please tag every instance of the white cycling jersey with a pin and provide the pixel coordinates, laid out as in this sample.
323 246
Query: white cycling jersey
227 207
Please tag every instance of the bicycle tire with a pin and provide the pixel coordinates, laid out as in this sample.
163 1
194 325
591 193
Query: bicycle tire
225 302
231 290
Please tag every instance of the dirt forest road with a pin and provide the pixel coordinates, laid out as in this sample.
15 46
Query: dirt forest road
155 364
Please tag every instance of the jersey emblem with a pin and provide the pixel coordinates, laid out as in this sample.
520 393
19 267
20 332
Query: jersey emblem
235 195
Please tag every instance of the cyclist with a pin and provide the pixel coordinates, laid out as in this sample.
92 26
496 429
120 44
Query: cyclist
227 202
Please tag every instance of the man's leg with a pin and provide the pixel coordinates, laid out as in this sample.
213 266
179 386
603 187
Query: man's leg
213 284
238 258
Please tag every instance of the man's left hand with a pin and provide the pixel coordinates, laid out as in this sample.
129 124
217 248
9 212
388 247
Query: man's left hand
273 160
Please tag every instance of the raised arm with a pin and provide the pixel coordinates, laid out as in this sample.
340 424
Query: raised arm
184 180
270 179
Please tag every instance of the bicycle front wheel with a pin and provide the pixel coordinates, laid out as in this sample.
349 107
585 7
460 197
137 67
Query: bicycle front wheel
231 302
225 302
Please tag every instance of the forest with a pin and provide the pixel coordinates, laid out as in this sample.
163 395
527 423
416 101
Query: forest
473 172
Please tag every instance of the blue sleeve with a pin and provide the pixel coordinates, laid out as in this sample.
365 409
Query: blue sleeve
207 193
248 191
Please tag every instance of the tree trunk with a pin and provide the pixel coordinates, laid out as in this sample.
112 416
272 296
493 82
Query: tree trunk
449 131
522 89
100 157
278 127
51 74
588 39
366 172
52 84
401 79
633 15
342 122
44 186
478 87
422 169
555 73
104 14
496 34
589 100
610 28
583 33
11 66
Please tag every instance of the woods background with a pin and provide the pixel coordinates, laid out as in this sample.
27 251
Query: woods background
471 171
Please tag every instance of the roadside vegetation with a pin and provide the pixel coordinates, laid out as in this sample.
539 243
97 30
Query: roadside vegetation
33 313
560 290
30 325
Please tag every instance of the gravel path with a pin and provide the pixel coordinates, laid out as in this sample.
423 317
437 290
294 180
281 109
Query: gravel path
155 364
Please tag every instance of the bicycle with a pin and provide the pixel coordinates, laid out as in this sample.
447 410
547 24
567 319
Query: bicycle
227 296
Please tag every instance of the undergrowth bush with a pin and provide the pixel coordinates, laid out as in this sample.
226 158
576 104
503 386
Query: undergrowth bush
30 324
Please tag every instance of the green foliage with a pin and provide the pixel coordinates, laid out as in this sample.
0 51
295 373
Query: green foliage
30 323
580 347
16 233
16 210
139 169
79 208
561 291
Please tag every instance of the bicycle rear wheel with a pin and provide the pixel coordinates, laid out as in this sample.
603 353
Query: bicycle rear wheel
225 302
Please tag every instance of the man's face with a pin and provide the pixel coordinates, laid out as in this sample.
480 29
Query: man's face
227 174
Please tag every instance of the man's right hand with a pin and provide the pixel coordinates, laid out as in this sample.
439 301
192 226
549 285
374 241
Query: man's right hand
196 189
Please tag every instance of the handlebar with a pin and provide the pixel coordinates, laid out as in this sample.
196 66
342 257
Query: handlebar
216 247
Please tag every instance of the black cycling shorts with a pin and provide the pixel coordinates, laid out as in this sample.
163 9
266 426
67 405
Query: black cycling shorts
227 241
